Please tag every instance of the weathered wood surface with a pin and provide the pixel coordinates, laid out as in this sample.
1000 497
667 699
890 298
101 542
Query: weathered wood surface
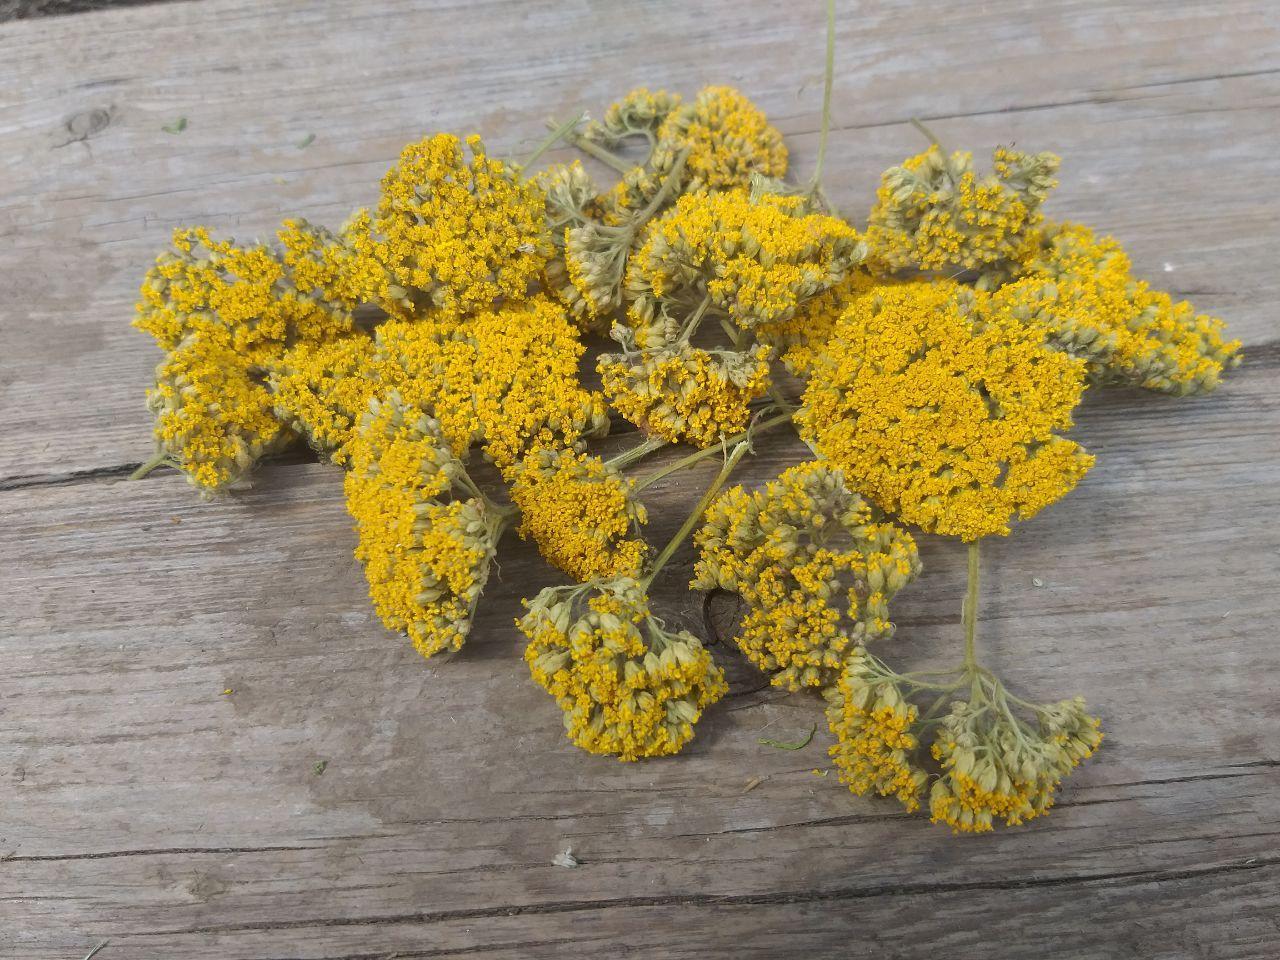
140 803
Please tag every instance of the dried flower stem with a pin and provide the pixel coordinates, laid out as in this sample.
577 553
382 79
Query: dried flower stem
607 157
700 455
969 612
562 132
159 459
501 514
636 453
695 319
928 134
731 461
827 80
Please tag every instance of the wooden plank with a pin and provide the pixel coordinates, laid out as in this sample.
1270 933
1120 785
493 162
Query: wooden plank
30 9
144 804
1165 115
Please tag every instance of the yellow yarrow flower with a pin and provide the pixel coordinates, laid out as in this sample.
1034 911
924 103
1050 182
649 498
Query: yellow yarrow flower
1079 291
227 314
944 412
330 265
996 767
456 234
934 213
640 113
729 140
247 298
581 513
686 394
757 258
507 379
426 560
801 339
628 686
876 730
813 565
323 390
213 416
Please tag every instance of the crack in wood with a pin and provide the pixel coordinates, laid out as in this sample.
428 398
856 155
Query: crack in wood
153 852
1121 878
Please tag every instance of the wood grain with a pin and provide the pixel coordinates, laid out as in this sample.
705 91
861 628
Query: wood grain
144 804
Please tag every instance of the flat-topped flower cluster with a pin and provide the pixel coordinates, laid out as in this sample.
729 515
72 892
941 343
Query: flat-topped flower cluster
932 362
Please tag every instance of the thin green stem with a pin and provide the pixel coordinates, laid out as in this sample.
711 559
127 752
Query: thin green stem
559 133
636 453
627 230
775 394
932 138
828 79
927 673
731 331
669 186
970 612
607 157
938 704
160 458
504 512
653 144
945 688
686 528
691 326
828 205
700 455
928 134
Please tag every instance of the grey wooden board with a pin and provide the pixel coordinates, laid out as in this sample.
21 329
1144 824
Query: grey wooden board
30 9
142 804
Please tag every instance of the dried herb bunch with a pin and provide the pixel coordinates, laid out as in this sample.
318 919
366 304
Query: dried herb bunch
932 362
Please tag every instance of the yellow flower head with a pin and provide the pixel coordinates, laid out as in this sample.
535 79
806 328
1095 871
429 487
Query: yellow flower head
802 338
687 393
573 205
728 138
506 379
876 731
943 412
995 767
213 416
581 514
331 266
571 198
322 391
934 213
426 560
596 251
595 257
815 568
1078 291
627 686
456 234
756 258
250 299
640 113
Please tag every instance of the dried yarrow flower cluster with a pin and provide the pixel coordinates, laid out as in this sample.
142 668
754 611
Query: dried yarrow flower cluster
934 364
814 566
1000 758
628 686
